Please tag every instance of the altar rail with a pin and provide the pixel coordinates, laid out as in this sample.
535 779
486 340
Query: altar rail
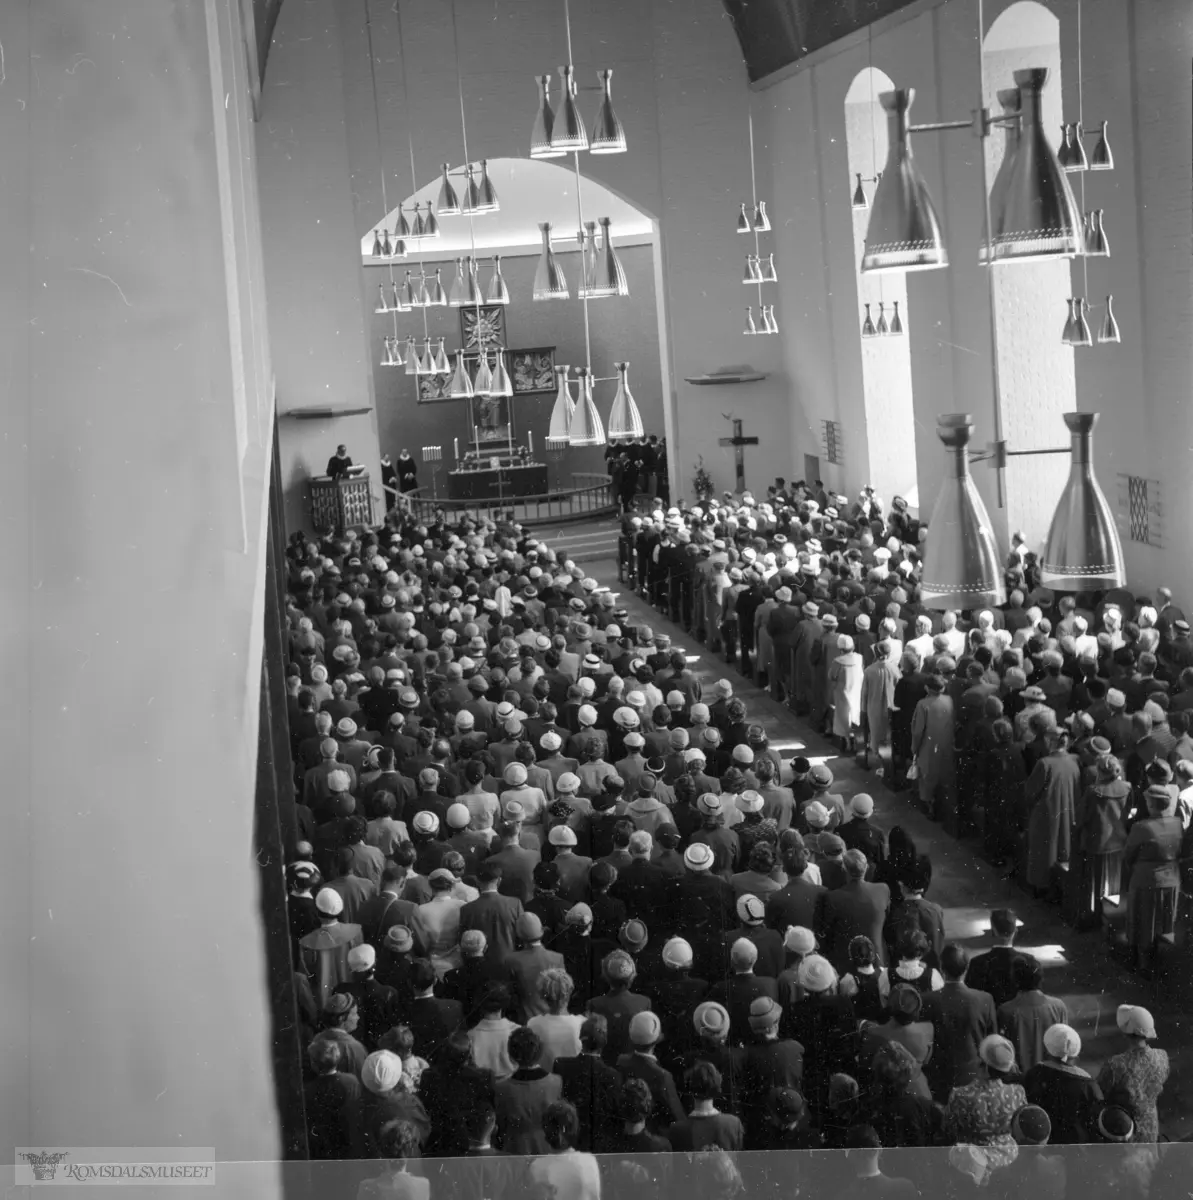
590 497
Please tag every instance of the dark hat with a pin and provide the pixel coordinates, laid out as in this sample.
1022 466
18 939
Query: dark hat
786 1104
905 1000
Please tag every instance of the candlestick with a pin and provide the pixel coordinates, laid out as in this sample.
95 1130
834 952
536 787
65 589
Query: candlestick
476 434
456 447
530 438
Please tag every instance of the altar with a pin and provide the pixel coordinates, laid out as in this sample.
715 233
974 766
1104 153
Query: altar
492 474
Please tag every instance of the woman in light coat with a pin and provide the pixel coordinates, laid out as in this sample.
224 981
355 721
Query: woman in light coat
878 696
845 687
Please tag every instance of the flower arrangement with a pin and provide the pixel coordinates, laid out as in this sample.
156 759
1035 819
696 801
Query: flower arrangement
702 483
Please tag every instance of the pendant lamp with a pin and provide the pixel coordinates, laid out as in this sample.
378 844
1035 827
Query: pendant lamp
868 330
442 366
1009 99
549 283
387 354
459 296
1109 331
1037 219
501 385
470 203
387 250
1096 243
426 360
449 202
1081 333
751 329
436 297
473 288
1064 152
768 313
544 122
608 136
1083 552
461 384
1070 329
586 428
431 224
568 133
382 303
743 221
411 358
420 230
497 292
608 277
751 274
483 384
409 293
588 256
424 296
396 300
487 201
561 413
904 232
881 328
768 270
1075 159
761 220
376 252
403 229
896 322
625 421
859 195
1102 158
961 566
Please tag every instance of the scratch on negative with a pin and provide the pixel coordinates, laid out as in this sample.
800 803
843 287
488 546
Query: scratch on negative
101 275
81 61
3 75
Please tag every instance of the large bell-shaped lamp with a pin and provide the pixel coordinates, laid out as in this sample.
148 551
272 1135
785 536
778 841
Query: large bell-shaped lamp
904 232
501 385
1083 552
549 283
461 384
586 428
568 133
561 413
544 122
625 421
608 136
449 202
608 277
961 567
1037 217
497 292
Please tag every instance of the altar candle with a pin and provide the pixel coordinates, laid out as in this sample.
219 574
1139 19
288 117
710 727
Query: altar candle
530 436
456 443
476 434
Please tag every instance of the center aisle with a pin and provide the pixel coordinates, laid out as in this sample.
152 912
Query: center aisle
1077 968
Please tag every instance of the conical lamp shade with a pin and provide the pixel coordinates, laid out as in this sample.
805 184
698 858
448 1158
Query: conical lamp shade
424 295
772 326
586 428
501 385
387 354
769 275
484 377
1102 158
608 277
442 366
561 413
1081 333
1064 152
1097 245
1009 99
497 292
881 328
396 300
961 565
449 202
403 229
868 330
473 289
761 220
459 292
587 237
1037 217
409 293
750 273
1076 160
1109 331
436 297
1070 329
544 122
625 421
487 201
472 196
568 133
743 221
751 329
411 358
382 303
387 250
461 384
904 232
1083 552
376 252
420 230
549 283
859 195
896 322
608 136
431 223
426 361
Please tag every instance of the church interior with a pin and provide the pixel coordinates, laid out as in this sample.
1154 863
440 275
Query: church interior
219 235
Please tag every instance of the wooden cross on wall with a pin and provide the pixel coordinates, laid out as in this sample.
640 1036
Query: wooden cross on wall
738 442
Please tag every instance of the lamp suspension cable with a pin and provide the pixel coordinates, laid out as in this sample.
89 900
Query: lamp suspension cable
754 197
873 132
409 130
1081 126
380 150
567 21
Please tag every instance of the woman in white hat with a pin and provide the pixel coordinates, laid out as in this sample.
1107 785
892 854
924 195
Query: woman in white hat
1135 1078
1064 1090
845 685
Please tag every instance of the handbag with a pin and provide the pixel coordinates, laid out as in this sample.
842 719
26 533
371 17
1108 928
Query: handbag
913 771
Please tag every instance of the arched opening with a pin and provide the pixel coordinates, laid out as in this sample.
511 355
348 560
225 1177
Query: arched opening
417 411
886 356
1036 370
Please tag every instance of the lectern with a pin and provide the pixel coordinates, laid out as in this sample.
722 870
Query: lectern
341 503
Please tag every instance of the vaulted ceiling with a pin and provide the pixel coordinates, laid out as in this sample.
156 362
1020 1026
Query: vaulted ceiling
775 33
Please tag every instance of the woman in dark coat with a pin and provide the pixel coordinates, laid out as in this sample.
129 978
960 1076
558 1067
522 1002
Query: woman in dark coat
909 691
1051 793
1002 774
1100 836
1150 861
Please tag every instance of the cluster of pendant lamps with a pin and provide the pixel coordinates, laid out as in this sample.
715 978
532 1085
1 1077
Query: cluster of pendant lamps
428 291
882 327
575 420
601 270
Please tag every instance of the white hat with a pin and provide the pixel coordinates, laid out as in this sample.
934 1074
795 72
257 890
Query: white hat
694 755
698 857
568 782
550 741
645 1029
362 958
749 802
425 822
587 715
709 804
1062 1041
816 815
799 940
515 774
1130 1019
458 816
862 805
635 741
562 835
329 902
677 953
381 1072
750 910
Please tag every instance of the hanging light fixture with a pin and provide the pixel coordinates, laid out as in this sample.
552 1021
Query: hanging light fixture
1096 243
608 276
1064 152
420 230
568 133
1081 333
859 194
904 232
961 565
1009 99
377 252
625 421
761 220
1075 159
424 296
772 326
396 299
608 136
459 292
1038 218
561 412
881 328
382 303
549 283
387 354
768 270
544 122
896 322
743 221
461 384
449 202
1109 331
587 238
586 428
1083 552
483 384
387 250
409 293
436 296
497 292
752 273
868 330
403 229
1102 158
1070 329
473 291
440 363
426 360
430 224
411 358
751 329
501 385
487 201
470 204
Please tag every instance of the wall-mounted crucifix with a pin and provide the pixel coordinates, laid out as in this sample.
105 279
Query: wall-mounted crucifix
739 442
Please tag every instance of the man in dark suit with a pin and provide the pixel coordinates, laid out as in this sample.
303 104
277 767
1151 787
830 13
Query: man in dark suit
387 908
741 989
471 980
961 1017
858 834
516 862
431 1020
801 901
524 966
645 1032
856 909
641 884
591 1085
495 915
993 972
619 1005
